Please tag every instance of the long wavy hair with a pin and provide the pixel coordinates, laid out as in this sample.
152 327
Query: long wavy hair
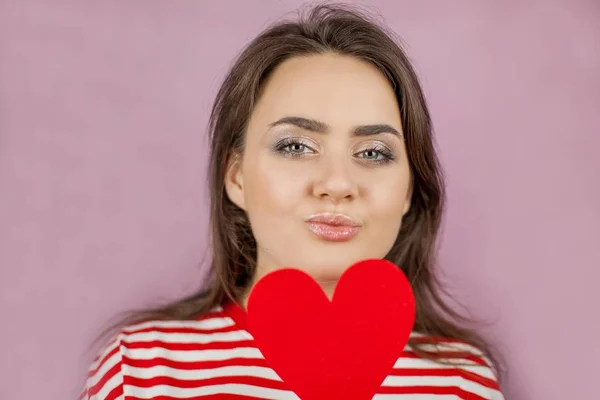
343 30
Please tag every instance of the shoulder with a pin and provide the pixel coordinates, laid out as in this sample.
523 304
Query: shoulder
450 361
104 378
152 343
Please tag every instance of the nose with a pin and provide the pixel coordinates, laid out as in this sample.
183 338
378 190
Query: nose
335 182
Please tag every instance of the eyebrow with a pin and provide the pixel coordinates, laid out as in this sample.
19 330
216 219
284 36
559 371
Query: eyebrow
320 127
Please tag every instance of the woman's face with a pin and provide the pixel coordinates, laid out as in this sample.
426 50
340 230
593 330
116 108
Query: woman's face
324 177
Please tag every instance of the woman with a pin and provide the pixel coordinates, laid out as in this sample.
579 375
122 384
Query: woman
322 156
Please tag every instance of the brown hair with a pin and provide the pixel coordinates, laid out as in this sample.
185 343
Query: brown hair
342 30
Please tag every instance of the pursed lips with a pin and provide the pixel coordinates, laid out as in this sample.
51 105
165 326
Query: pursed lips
333 227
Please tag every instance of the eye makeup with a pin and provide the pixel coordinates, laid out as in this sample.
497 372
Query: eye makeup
376 153
292 146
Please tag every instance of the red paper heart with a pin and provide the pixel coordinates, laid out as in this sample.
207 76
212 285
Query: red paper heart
342 349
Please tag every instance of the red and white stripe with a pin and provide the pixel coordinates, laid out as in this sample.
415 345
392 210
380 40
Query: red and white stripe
215 358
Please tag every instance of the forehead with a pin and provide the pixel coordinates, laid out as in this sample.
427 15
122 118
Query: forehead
336 89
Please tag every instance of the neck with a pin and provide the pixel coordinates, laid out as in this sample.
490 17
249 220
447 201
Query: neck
328 286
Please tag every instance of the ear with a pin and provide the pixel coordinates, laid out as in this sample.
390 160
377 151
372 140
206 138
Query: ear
234 180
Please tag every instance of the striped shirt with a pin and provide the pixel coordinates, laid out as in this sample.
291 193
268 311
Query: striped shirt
214 357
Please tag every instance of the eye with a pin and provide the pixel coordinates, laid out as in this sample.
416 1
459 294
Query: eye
293 147
296 148
371 155
376 154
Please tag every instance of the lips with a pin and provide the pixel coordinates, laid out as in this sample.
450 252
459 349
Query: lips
333 227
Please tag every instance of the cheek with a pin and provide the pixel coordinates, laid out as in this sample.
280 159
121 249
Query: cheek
388 198
270 190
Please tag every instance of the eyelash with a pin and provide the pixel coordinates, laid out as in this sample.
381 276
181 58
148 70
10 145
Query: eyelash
285 143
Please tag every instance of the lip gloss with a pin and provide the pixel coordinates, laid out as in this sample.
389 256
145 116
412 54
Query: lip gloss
333 227
333 233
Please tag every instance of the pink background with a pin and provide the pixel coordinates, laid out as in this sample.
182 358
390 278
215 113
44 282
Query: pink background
103 112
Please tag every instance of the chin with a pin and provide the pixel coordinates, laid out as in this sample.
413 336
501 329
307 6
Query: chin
326 263
328 270
325 272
